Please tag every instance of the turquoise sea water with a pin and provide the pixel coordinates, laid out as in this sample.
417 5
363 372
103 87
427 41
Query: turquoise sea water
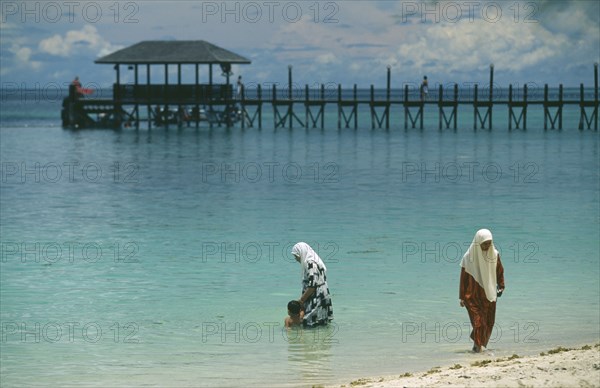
161 258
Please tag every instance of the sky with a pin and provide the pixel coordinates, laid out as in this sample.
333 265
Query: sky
47 43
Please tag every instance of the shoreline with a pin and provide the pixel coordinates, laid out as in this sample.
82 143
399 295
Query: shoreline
558 367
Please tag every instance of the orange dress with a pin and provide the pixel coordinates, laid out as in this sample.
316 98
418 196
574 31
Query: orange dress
482 312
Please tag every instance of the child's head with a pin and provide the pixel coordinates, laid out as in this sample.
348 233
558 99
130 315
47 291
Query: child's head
294 307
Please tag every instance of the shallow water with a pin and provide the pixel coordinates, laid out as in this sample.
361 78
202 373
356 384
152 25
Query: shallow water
162 257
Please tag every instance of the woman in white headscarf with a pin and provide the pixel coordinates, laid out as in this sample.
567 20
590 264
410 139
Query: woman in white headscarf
315 298
481 282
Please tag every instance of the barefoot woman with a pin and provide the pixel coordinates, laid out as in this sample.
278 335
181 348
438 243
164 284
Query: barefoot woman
481 281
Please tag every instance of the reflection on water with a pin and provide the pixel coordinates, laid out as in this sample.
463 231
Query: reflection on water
309 352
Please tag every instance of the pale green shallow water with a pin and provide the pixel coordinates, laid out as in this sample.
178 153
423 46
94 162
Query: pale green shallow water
171 268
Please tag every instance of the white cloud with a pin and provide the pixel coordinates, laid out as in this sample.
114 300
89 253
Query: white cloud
472 46
326 59
356 67
22 56
75 40
368 38
322 52
559 46
55 46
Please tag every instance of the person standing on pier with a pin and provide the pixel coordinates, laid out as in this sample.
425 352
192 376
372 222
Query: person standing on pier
315 299
424 89
481 282
240 86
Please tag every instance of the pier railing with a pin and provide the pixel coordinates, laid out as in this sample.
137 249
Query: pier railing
181 94
306 107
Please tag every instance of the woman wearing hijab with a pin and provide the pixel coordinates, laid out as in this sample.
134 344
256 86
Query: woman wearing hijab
481 282
315 298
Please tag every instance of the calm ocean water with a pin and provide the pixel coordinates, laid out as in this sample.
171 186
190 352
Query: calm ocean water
161 258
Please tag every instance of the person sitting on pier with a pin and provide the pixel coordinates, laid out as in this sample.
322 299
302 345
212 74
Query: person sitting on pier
80 91
77 85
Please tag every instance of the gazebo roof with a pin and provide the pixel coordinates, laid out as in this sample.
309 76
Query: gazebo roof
173 52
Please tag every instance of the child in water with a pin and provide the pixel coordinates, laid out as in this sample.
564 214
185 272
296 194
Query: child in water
295 314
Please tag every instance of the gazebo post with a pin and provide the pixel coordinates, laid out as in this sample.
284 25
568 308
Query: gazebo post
179 104
135 96
166 113
227 99
148 96
117 92
196 95
210 92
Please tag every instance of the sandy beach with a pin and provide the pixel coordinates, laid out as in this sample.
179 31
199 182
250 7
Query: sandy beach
559 367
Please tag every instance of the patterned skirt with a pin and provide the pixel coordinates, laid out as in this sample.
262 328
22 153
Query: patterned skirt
318 309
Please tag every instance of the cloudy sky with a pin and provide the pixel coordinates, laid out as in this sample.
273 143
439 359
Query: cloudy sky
347 42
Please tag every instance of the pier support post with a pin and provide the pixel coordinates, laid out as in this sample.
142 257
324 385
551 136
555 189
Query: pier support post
387 97
353 105
553 104
279 119
491 99
340 108
319 104
246 118
583 117
407 111
290 96
259 107
376 120
452 104
486 106
276 114
512 117
478 106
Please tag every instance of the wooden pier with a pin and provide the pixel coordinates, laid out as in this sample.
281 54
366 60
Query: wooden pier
217 104
414 110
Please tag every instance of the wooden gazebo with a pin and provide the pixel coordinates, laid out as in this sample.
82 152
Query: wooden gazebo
216 97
